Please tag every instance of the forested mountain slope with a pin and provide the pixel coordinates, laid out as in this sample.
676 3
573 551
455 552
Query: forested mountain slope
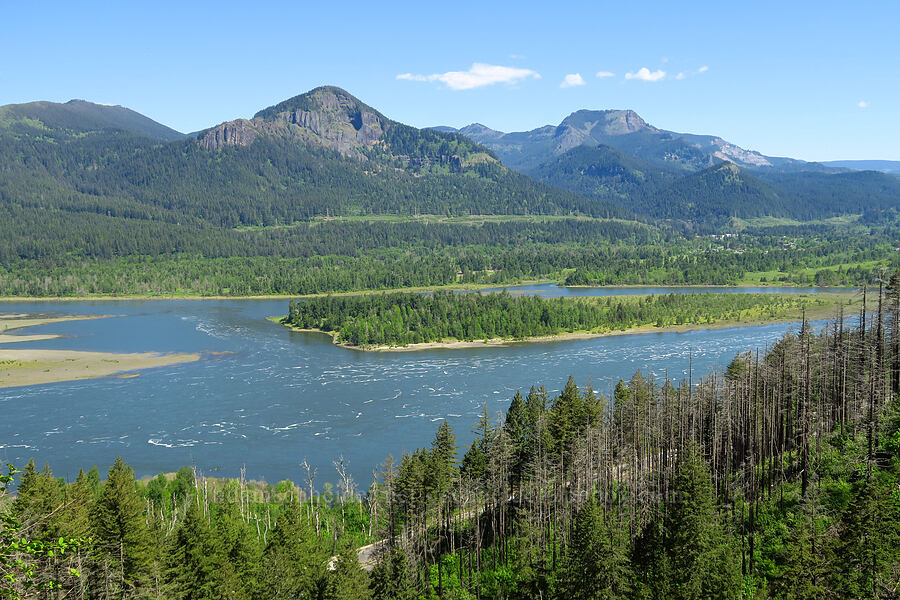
321 153
624 130
80 116
100 200
615 155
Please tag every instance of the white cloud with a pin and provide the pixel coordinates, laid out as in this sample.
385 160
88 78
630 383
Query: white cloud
863 104
572 80
602 74
703 69
516 56
680 76
479 75
645 74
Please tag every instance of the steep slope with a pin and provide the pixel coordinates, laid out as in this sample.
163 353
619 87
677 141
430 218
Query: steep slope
80 116
329 117
616 155
320 153
604 172
624 130
714 195
815 194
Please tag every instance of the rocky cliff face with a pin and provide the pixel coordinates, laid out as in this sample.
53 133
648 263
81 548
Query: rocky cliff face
603 123
624 130
235 133
327 117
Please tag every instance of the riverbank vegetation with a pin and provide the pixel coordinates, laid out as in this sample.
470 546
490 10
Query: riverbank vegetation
97 255
400 319
776 478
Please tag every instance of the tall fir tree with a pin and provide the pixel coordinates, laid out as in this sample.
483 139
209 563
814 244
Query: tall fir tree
701 553
597 564
193 557
390 579
292 565
122 536
346 579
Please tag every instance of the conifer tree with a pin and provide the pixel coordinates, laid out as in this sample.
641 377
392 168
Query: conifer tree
515 426
442 459
597 566
651 562
703 561
346 579
39 495
869 545
193 556
76 518
565 417
390 578
805 574
293 567
122 535
240 553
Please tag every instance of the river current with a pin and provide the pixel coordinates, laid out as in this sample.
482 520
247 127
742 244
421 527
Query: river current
268 398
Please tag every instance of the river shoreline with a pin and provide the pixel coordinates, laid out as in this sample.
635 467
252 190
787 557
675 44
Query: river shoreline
428 288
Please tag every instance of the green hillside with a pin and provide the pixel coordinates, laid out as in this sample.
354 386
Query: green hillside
80 116
658 174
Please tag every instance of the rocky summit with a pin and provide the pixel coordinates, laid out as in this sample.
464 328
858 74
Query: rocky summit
326 116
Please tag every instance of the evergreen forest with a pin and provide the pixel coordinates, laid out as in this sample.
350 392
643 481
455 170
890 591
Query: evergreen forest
776 478
101 201
401 319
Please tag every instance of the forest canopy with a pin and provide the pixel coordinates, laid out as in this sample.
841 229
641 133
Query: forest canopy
400 319
776 479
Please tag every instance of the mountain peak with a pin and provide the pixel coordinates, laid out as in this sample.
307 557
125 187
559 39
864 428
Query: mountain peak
326 97
326 116
606 122
83 116
330 117
479 130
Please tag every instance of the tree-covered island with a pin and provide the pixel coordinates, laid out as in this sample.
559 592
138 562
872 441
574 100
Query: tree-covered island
775 479
405 319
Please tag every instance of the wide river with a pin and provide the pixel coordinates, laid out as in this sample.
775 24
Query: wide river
268 398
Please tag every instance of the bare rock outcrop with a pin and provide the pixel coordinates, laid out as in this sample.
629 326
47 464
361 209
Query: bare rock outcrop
327 117
234 133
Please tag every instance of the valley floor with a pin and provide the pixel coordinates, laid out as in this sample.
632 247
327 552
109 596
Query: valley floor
749 283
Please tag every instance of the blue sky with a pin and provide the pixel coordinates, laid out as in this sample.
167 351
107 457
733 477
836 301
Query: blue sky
812 80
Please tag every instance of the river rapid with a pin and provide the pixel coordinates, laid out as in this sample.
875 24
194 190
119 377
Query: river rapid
268 398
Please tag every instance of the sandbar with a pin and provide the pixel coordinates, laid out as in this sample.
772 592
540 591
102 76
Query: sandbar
8 321
40 337
35 366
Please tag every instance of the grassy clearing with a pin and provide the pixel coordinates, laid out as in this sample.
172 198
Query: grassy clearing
470 220
784 277
840 221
